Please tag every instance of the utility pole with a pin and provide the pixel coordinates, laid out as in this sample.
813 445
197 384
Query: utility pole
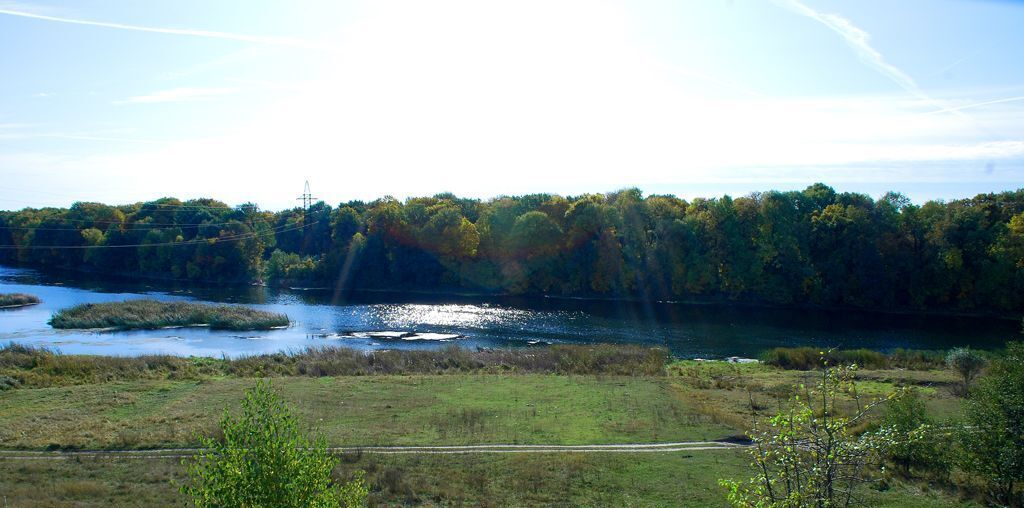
307 200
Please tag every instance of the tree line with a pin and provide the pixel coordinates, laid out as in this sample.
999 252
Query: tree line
815 246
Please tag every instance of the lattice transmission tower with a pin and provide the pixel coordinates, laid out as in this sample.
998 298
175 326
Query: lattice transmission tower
306 198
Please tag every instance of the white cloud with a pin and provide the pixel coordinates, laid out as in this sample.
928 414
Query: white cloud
186 94
364 146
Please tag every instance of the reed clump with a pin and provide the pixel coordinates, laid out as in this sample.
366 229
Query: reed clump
17 299
809 358
29 366
151 314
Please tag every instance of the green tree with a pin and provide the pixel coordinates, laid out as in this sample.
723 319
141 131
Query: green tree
450 235
93 238
992 437
811 246
535 242
608 266
290 268
263 460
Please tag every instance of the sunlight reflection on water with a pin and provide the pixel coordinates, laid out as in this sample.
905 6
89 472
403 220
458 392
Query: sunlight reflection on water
462 316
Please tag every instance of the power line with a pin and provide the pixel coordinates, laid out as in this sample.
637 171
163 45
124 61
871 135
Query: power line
137 206
240 236
138 222
131 205
229 238
128 222
132 226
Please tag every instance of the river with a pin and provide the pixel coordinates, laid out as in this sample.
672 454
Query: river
363 320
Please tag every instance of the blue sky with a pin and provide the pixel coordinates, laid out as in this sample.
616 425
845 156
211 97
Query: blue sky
120 101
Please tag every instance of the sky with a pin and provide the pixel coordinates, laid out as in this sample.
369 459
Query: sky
244 100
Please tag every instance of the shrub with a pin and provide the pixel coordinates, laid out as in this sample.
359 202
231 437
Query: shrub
263 460
809 454
906 416
967 363
8 383
992 438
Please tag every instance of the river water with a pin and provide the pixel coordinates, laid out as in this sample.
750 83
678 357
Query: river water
375 321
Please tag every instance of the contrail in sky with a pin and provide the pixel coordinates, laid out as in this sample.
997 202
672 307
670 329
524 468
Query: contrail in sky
860 42
210 34
976 104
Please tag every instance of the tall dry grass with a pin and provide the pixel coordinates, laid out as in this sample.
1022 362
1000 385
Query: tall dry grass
36 367
17 299
809 358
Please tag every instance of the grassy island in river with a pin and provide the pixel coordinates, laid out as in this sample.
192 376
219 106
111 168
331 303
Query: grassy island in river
149 314
17 300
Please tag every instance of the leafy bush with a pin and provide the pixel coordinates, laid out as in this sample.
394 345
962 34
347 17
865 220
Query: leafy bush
8 383
809 453
263 460
906 416
149 314
967 363
992 438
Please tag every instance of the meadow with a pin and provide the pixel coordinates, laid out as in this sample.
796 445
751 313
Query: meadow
637 480
456 397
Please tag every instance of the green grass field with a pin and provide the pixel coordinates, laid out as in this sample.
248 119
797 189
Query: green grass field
371 410
695 401
639 480
737 395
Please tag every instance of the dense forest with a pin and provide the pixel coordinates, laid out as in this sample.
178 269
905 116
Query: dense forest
815 246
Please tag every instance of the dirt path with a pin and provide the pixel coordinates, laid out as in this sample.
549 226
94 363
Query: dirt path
177 453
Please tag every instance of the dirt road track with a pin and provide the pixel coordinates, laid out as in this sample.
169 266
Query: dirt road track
178 453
